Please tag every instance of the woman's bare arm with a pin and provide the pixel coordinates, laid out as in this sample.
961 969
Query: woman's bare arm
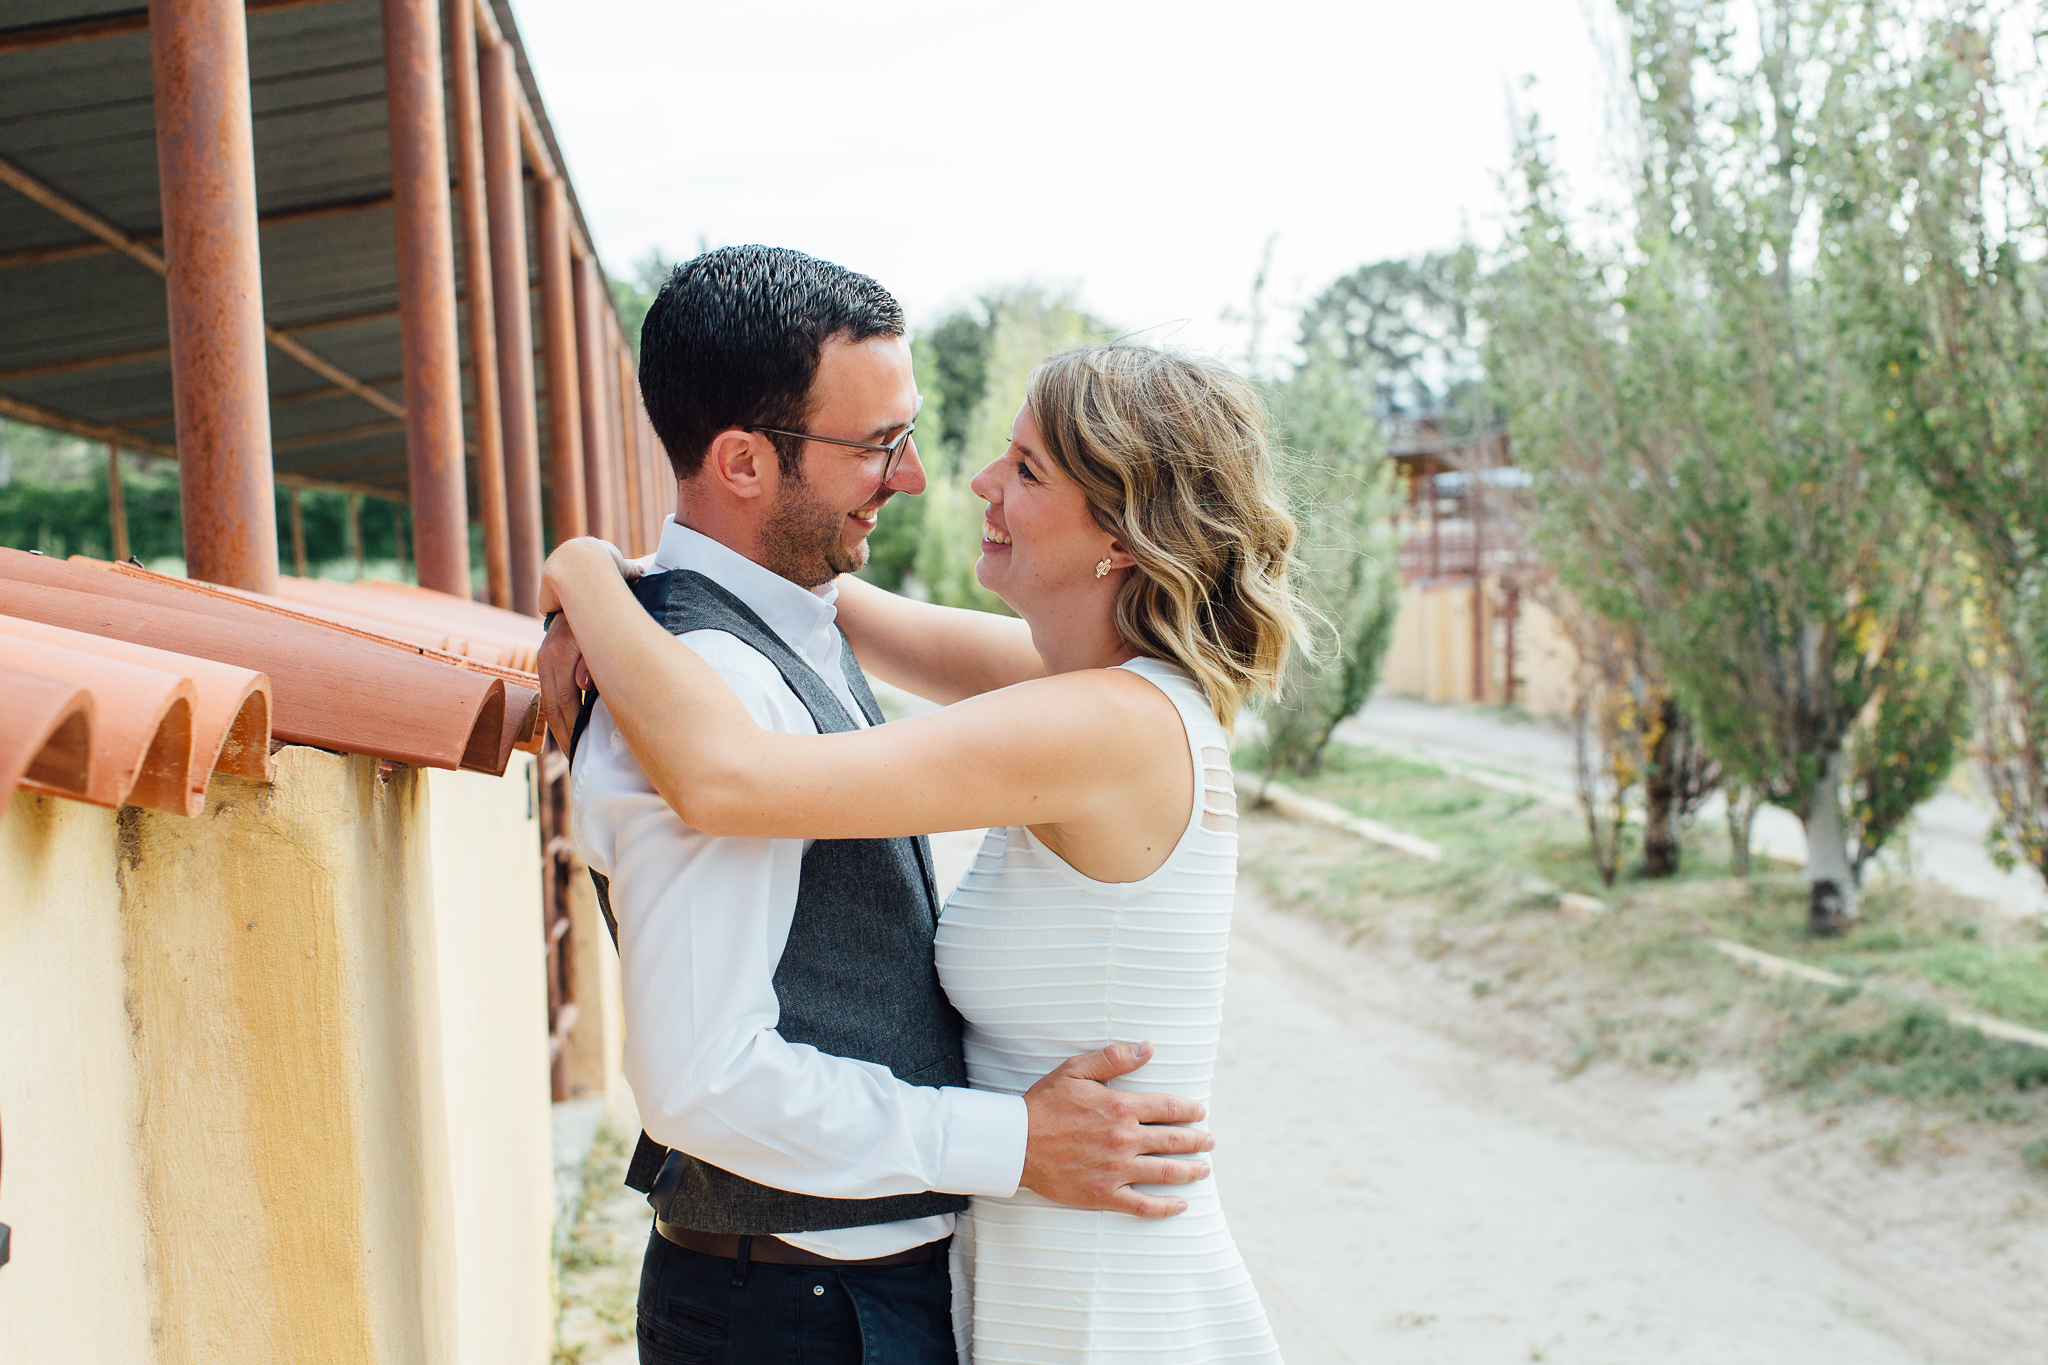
1077 747
943 654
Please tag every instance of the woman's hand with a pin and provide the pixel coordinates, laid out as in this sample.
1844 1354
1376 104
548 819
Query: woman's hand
564 676
584 554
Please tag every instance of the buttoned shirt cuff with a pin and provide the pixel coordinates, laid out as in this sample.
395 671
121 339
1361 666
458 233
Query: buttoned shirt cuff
985 1139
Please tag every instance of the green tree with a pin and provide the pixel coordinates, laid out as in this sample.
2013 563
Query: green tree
1342 491
1955 290
634 295
971 370
1711 456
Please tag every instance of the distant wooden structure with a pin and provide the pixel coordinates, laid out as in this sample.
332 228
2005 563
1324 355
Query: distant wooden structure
1466 570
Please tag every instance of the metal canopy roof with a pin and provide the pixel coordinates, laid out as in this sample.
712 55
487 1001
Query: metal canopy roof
84 341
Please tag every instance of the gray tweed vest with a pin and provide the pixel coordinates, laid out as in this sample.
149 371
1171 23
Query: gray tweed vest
856 978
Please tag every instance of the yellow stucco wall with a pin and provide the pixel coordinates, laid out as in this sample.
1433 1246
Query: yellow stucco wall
233 1051
70 1094
487 898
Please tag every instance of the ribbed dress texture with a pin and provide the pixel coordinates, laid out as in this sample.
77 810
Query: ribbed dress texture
1045 963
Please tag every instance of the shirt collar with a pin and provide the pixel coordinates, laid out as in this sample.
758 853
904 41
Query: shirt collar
803 617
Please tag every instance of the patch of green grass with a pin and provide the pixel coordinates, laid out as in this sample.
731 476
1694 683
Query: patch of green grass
1641 984
2035 1154
1915 1054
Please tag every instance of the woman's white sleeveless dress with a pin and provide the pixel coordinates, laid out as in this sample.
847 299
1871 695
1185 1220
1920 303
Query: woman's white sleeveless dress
1045 963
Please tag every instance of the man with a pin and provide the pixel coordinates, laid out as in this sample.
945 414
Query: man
809 1134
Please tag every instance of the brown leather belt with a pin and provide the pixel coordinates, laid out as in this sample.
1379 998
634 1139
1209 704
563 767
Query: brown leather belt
774 1251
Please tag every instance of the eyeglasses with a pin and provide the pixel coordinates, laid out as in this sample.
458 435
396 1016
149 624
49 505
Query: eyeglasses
892 450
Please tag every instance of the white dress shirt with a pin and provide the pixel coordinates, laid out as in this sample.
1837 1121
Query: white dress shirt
702 924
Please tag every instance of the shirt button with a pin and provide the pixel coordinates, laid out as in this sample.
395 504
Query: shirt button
817 1289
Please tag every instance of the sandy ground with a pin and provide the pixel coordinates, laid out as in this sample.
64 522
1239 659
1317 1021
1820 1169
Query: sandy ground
1409 1189
1412 1186
1945 841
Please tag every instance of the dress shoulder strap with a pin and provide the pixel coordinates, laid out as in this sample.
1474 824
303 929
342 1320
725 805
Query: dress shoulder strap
1208 742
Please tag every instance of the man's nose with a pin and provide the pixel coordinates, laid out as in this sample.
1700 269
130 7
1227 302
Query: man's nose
909 473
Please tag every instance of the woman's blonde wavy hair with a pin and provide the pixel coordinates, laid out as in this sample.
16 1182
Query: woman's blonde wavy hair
1173 455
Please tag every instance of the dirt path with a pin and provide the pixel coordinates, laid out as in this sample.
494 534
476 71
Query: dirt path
1408 1190
1412 1184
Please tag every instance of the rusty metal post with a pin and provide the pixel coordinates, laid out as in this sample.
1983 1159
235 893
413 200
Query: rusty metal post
206 167
506 193
426 293
626 491
590 390
660 484
558 337
117 512
477 304
298 535
629 449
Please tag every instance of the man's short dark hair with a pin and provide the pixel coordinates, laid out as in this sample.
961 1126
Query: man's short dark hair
734 338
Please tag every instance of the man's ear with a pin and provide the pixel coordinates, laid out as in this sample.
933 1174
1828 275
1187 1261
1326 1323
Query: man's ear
743 463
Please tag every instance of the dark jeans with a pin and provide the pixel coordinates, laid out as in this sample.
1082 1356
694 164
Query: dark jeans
691 1312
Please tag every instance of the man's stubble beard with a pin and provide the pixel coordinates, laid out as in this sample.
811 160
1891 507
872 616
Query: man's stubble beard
804 537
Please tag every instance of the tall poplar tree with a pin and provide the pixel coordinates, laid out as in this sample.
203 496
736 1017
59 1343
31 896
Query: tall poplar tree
1708 437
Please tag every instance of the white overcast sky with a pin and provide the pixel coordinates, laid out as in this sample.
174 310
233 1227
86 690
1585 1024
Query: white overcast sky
1138 152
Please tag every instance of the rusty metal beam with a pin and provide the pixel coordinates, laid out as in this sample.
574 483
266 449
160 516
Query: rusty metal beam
558 334
37 415
505 190
480 312
79 216
24 37
277 400
341 320
426 293
328 438
45 255
135 249
199 59
87 362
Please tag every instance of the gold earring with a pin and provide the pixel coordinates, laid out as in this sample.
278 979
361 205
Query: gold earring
1103 567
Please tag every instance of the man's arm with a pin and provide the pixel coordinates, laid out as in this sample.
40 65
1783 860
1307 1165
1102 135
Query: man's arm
702 922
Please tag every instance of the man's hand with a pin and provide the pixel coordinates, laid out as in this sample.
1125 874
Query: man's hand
563 675
563 680
1089 1144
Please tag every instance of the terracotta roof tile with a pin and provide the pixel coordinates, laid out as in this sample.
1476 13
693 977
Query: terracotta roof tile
48 736
141 737
472 629
332 685
230 718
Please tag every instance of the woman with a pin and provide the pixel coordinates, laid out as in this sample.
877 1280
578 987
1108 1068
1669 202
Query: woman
1134 525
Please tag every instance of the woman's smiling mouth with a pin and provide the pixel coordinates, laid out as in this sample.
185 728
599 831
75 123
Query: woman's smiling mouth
990 535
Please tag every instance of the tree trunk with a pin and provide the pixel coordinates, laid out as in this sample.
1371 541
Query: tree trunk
1660 793
1742 804
1833 900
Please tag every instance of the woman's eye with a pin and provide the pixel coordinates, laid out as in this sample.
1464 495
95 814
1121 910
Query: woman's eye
1024 472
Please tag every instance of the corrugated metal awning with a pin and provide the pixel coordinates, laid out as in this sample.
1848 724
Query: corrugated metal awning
83 326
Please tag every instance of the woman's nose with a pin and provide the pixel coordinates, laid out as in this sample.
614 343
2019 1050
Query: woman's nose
983 484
